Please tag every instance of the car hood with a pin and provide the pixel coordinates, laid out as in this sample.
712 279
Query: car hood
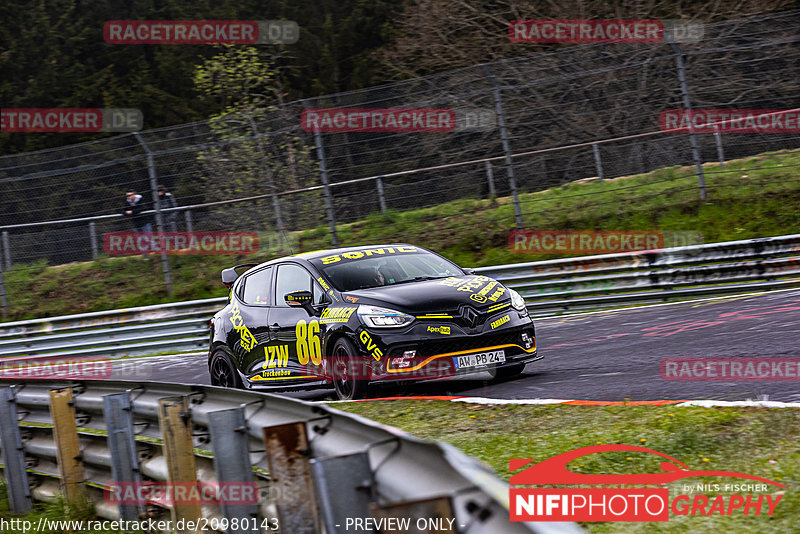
432 296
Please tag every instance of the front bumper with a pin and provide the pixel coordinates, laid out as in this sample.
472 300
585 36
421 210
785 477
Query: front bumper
437 357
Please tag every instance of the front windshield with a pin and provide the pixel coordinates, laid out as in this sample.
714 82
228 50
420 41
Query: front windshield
379 271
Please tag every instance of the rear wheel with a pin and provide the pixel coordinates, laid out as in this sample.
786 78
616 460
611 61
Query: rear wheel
510 371
346 377
223 372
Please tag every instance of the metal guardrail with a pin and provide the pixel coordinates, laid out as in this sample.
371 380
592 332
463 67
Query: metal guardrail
594 282
314 466
549 287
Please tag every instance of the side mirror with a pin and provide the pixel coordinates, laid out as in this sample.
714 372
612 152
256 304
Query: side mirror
300 299
468 271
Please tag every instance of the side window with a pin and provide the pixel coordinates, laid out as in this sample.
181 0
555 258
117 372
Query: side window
256 288
292 278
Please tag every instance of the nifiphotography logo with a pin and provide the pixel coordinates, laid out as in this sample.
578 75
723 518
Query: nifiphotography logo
627 503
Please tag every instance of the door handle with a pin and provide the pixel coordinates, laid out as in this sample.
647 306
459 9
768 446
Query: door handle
275 327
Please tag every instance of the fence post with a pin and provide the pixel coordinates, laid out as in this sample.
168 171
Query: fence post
176 429
93 238
720 152
3 298
7 250
501 122
381 197
187 215
68 448
490 179
687 105
122 447
323 169
151 171
597 161
229 438
19 489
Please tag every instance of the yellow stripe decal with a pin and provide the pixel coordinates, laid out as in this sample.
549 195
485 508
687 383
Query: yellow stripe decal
260 378
470 351
498 307
435 316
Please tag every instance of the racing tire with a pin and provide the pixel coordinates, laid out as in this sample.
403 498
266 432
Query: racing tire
345 378
222 371
509 371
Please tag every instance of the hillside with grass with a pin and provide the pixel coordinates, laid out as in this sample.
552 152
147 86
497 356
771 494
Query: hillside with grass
748 198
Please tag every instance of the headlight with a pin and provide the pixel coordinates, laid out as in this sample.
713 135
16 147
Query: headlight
376 317
517 302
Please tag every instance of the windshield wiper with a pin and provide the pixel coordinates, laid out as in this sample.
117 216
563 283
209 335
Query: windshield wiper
418 279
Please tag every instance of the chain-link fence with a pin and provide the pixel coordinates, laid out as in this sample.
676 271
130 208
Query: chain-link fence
580 111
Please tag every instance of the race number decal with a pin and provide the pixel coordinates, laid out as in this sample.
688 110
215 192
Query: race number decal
309 346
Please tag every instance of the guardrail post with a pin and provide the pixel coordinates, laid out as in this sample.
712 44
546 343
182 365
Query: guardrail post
291 480
381 198
176 429
598 163
720 152
93 239
687 105
6 250
323 169
228 429
344 485
151 172
122 446
187 215
13 453
490 179
68 448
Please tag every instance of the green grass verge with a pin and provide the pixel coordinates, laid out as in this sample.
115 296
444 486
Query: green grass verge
762 442
748 198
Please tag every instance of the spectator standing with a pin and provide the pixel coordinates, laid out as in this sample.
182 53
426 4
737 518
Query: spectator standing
135 205
167 200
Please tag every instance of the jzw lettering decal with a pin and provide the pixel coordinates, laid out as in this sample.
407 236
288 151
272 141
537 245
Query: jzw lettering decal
366 253
248 340
370 345
309 345
276 356
441 329
337 315
501 321
324 284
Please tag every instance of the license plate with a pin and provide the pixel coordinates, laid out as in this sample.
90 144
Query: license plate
482 358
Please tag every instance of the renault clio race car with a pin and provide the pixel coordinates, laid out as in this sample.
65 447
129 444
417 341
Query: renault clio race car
354 316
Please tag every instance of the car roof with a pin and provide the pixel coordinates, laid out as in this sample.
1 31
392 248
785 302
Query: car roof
329 252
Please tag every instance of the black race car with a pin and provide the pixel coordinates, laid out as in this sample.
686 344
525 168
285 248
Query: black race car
354 316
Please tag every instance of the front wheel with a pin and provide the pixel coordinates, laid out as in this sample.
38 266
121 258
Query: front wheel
223 372
346 380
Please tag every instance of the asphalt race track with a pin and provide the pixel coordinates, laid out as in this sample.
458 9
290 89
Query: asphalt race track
610 356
